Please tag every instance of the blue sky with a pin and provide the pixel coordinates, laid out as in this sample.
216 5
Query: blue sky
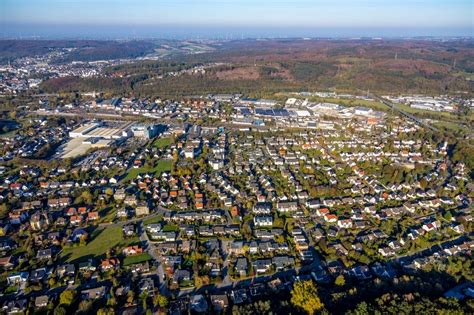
449 17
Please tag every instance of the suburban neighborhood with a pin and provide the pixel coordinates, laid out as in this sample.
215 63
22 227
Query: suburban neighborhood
182 215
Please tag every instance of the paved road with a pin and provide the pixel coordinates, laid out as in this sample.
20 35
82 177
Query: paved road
151 250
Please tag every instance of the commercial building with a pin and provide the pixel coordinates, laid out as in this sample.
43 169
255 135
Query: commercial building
83 130
103 130
144 131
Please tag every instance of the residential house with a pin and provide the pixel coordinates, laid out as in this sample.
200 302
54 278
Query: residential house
331 218
147 285
68 270
18 278
39 221
44 254
236 248
283 262
241 266
132 250
16 306
261 265
263 220
142 210
87 266
41 301
75 220
287 206
220 302
38 275
109 264
153 228
181 275
93 216
131 201
431 226
322 211
8 262
94 293
262 208
128 230
344 223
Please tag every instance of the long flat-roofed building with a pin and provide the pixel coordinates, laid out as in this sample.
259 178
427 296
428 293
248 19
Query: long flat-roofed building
83 130
101 130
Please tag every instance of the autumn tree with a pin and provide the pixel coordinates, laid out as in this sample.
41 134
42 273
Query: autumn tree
59 310
85 197
200 281
67 297
3 210
160 300
340 281
305 296
105 311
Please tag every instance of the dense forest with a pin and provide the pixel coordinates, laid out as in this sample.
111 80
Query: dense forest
82 50
273 66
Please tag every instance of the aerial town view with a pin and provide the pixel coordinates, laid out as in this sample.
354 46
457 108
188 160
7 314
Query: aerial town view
236 157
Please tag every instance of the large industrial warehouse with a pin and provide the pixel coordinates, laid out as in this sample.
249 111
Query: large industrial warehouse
104 130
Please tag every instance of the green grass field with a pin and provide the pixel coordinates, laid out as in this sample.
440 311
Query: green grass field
149 221
161 166
131 260
11 289
170 228
107 214
102 240
162 142
450 126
